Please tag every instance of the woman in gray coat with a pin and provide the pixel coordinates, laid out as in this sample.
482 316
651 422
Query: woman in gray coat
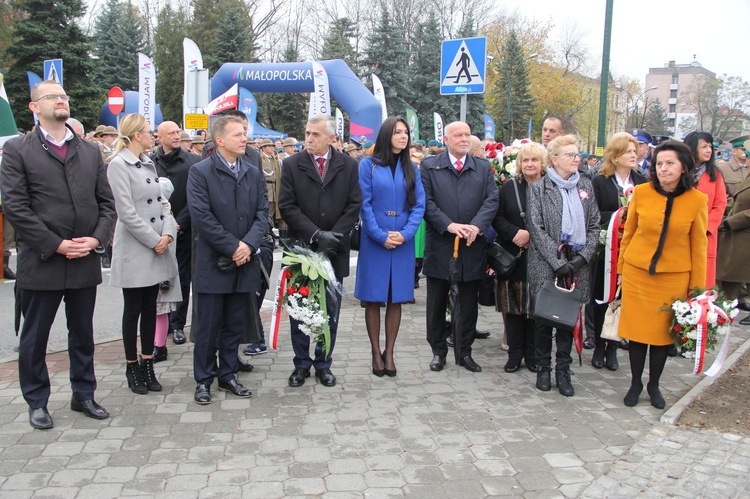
562 210
141 258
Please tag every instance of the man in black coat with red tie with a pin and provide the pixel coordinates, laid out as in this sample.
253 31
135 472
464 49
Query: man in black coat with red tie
319 200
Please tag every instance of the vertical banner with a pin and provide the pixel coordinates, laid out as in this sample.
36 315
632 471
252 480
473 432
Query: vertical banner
192 61
438 127
34 80
339 124
248 105
413 121
146 89
320 99
489 127
8 128
531 121
379 93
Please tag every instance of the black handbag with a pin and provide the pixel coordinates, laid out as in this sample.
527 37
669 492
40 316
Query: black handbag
557 307
355 236
501 260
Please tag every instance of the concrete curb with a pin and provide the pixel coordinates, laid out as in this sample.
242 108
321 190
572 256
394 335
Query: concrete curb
673 413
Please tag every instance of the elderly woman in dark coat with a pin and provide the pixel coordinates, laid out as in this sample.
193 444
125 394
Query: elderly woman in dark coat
512 229
562 210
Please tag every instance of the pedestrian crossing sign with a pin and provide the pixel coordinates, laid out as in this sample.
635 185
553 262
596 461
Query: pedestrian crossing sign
462 66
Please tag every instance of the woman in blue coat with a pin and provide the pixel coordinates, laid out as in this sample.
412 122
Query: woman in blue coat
393 204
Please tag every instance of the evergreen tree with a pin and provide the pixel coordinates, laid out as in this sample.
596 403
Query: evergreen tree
387 57
49 30
173 25
336 44
425 78
656 119
285 112
514 80
234 36
119 34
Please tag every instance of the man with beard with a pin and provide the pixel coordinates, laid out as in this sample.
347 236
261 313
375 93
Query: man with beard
56 195
173 162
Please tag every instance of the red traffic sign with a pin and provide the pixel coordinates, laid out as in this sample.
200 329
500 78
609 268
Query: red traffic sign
116 100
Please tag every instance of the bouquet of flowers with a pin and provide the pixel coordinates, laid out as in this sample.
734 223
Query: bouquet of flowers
699 322
503 161
302 288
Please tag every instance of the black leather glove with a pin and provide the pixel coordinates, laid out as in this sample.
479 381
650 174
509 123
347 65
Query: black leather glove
724 227
565 271
578 263
328 242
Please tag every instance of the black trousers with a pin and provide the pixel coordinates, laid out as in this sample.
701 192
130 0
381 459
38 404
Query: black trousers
39 309
178 318
301 341
437 301
222 317
139 306
543 344
520 332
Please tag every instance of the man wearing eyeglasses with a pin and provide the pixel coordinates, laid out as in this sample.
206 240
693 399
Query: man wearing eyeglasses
56 195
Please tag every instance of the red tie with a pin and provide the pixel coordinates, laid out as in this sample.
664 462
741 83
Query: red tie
459 166
321 165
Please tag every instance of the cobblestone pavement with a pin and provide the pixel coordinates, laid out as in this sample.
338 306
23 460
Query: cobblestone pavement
421 434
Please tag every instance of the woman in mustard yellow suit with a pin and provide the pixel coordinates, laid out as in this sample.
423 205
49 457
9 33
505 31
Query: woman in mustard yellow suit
662 257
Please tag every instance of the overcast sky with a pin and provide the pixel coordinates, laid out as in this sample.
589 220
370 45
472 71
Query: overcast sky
650 33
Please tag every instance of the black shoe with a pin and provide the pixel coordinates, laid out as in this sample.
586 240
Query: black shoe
533 368
481 335
589 343
673 352
202 394
597 359
512 366
391 373
134 375
564 386
40 418
325 376
624 345
610 357
178 337
246 367
235 388
160 353
449 341
543 379
298 377
8 275
437 363
745 321
149 376
469 364
744 306
634 393
657 399
89 408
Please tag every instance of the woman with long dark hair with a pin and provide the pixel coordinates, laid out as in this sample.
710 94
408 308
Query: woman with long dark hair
393 204
709 181
662 257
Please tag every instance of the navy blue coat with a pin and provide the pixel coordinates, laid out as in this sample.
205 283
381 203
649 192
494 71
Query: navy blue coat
225 210
468 197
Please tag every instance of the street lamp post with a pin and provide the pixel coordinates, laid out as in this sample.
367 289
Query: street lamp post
510 90
635 101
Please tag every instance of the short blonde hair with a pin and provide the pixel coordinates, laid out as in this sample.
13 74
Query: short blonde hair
129 126
616 147
556 145
530 150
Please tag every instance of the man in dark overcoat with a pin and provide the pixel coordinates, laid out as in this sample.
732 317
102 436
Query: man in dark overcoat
319 200
461 200
229 211
56 195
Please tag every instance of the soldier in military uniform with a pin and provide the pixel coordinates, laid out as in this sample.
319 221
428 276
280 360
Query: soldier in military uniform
736 169
272 172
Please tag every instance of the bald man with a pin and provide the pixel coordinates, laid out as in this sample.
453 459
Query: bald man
551 129
174 163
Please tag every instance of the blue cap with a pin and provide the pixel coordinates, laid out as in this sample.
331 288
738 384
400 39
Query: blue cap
432 143
641 135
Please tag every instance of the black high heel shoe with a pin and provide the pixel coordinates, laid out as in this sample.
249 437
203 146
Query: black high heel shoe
391 373
378 372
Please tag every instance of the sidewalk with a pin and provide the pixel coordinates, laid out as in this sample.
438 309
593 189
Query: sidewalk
421 434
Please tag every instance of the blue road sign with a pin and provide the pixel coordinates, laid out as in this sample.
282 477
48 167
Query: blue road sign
53 70
462 66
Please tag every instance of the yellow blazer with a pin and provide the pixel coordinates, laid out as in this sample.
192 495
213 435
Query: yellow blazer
686 241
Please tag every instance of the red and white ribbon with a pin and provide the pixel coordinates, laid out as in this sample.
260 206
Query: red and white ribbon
706 303
278 302
611 254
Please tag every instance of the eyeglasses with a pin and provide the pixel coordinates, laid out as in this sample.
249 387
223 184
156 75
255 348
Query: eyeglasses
571 155
149 132
64 97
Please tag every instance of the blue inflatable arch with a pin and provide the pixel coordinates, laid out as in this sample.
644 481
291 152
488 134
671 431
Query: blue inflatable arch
131 106
297 77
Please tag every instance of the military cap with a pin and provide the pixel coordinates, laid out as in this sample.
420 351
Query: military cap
740 141
641 135
265 142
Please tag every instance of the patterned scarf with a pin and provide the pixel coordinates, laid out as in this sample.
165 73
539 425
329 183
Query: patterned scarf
573 218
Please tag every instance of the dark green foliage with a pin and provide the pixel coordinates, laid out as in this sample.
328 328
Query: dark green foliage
173 25
336 45
234 36
49 30
513 74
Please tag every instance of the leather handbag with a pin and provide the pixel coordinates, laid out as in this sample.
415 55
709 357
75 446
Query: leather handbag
557 307
355 236
612 319
501 260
